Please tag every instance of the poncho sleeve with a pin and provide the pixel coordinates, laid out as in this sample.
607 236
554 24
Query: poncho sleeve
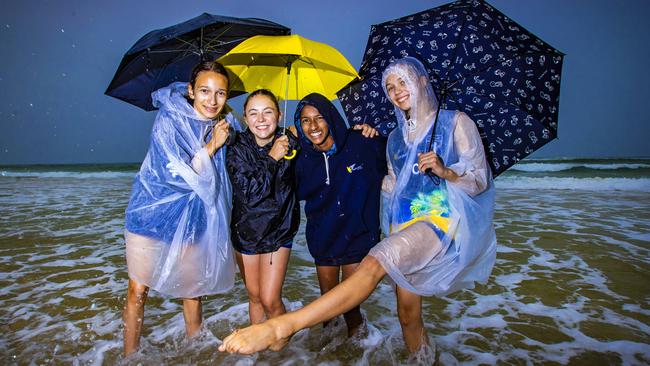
184 168
388 183
471 168
199 159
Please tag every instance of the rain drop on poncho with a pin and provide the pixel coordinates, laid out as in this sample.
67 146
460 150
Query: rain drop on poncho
440 233
177 221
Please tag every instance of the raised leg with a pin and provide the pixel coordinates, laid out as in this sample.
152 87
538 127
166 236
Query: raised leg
274 332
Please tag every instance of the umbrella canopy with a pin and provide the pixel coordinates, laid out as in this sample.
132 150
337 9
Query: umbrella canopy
289 65
166 55
480 62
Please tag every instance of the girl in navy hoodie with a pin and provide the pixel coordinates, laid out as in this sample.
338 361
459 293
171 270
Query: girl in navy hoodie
339 173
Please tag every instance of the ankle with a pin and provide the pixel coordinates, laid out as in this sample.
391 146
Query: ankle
282 327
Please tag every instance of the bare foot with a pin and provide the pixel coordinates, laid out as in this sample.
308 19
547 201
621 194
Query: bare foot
271 334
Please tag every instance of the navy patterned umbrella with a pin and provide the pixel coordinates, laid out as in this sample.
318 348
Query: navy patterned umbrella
166 55
480 62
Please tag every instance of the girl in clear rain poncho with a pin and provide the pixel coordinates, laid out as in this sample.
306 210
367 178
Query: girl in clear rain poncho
177 222
441 237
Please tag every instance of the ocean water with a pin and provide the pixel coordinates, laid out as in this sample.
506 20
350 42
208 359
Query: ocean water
571 284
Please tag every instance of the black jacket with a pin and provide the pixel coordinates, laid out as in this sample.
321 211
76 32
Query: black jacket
265 214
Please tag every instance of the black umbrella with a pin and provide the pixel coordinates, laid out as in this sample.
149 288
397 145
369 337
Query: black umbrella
480 62
166 55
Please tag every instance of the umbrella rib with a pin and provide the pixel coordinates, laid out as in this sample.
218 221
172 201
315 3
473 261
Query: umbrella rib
216 38
210 46
185 42
191 45
169 51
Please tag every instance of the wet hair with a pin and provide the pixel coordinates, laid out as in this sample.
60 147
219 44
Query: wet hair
208 66
266 93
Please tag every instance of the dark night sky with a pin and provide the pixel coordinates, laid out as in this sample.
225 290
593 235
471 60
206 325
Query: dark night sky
59 56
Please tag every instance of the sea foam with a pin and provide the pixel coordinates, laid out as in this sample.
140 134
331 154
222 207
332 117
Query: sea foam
584 184
68 174
557 167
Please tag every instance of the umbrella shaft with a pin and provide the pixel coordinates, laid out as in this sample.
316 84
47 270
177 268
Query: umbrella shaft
435 121
286 97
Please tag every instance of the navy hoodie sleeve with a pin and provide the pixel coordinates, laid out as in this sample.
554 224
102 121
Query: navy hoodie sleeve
254 178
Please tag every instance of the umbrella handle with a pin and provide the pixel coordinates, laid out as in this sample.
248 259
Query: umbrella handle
434 178
292 155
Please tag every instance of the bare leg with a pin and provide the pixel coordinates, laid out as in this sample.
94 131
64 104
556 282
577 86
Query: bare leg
133 315
274 267
328 278
409 311
353 318
249 267
192 315
271 334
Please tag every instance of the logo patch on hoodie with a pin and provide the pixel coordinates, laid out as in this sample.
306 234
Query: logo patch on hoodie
354 167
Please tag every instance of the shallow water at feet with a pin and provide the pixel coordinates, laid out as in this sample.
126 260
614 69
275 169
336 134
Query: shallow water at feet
571 286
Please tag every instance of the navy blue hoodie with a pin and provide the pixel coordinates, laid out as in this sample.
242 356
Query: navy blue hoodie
341 188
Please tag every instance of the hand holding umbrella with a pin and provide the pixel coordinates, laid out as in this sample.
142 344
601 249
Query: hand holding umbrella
220 134
280 148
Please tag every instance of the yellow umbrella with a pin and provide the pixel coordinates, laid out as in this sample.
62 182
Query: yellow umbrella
264 62
291 64
299 65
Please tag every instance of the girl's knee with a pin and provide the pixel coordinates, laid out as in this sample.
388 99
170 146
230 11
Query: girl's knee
254 298
137 291
371 265
409 314
272 304
409 319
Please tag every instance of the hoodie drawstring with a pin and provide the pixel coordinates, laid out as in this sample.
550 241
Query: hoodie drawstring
327 169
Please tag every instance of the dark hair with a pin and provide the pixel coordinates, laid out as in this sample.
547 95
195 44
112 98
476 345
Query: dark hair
208 66
264 92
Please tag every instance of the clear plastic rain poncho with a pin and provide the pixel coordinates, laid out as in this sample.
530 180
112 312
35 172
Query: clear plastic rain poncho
441 237
178 218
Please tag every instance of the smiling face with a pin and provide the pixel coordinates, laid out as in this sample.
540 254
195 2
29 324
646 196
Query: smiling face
209 94
262 117
315 127
398 92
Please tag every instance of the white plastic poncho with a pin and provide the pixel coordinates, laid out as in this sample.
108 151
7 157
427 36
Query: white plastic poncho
441 236
178 218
